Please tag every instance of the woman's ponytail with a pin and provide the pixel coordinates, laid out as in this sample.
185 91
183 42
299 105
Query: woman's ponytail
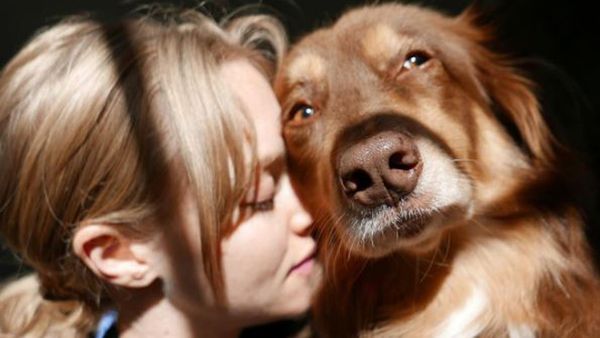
24 312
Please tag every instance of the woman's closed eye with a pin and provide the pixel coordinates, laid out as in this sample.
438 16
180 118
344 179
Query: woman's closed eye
261 197
260 206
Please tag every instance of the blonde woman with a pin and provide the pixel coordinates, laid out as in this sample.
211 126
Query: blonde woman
132 179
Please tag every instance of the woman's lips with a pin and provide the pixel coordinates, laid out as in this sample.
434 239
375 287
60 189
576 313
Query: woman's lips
305 266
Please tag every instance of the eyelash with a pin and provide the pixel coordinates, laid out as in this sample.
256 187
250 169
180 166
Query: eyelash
262 206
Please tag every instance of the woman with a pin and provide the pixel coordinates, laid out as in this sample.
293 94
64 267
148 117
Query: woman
131 179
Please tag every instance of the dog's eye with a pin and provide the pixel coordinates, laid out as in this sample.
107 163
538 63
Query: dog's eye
415 59
301 112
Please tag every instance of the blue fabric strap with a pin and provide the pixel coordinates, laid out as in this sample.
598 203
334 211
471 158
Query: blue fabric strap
107 323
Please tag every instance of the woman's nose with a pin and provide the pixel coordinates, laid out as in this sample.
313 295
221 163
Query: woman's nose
300 220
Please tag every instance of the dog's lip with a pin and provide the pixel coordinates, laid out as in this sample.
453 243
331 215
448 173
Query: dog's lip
409 227
408 201
407 219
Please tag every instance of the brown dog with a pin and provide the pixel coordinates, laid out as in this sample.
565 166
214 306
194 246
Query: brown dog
443 197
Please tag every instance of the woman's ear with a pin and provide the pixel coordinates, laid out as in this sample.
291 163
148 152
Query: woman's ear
114 257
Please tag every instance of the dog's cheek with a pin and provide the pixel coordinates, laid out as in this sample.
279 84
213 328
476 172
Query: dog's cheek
450 106
436 75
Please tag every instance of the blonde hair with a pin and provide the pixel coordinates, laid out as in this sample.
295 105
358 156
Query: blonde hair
92 119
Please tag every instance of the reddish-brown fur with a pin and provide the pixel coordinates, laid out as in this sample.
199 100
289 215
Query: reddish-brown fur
518 238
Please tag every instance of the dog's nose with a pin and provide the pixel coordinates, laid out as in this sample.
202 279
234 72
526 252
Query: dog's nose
380 169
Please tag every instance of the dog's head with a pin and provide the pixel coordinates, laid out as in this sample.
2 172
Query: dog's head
400 124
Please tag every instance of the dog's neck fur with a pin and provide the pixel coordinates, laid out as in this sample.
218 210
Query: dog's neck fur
486 278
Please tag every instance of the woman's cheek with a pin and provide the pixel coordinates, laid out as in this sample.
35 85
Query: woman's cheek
254 264
255 251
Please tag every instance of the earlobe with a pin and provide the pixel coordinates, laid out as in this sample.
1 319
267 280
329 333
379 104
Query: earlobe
114 257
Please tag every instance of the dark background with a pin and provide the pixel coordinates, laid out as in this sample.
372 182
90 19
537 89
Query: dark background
556 39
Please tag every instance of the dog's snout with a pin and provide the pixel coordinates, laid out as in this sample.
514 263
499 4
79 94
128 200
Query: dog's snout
380 169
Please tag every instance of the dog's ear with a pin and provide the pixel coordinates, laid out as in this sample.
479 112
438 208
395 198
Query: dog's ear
510 94
512 97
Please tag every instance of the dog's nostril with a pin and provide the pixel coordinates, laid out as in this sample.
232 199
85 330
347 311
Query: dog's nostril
379 169
355 181
403 161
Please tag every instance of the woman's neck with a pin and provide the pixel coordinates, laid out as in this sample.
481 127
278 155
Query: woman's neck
144 314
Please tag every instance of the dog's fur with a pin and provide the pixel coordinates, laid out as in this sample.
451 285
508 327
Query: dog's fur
501 251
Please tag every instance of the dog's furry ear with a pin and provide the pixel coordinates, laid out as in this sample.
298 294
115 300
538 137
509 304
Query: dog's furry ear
510 94
474 14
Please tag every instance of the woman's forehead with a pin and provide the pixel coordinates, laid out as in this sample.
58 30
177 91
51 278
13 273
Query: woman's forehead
259 102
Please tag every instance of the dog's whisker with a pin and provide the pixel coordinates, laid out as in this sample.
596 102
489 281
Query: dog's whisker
464 160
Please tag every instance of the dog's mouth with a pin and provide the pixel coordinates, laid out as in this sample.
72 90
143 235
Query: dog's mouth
381 228
377 176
